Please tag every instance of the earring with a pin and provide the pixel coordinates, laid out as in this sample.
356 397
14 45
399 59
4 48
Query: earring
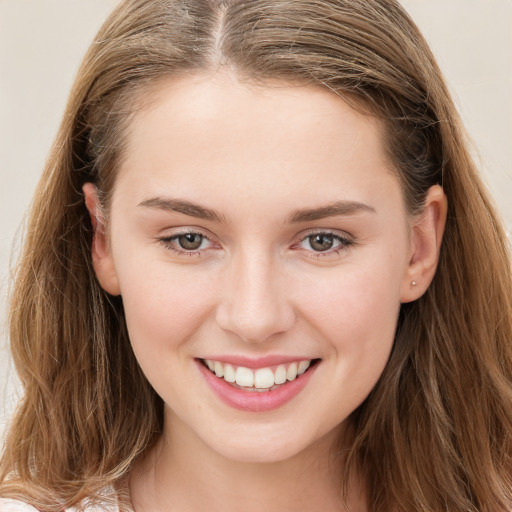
413 283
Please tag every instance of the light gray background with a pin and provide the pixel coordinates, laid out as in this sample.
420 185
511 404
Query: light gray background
42 42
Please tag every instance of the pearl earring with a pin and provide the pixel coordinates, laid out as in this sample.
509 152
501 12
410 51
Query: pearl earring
413 283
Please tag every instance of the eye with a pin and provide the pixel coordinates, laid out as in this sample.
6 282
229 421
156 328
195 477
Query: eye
188 243
321 241
325 242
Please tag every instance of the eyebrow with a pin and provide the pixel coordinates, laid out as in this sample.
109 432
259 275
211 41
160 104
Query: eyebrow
338 208
184 207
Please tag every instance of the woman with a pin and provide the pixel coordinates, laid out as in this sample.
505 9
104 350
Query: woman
261 272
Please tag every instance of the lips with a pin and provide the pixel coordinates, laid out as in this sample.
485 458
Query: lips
256 388
261 378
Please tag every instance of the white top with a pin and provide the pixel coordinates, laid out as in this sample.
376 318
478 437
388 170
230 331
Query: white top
8 505
15 506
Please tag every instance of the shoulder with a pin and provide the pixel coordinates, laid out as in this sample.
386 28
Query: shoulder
9 505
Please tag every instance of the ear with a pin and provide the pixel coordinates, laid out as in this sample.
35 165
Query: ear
102 260
427 230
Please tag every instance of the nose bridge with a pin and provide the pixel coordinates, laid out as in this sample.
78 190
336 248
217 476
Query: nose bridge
254 304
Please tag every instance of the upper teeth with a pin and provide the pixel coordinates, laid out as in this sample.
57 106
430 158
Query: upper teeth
262 378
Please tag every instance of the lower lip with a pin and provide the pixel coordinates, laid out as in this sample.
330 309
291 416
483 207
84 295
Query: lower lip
255 401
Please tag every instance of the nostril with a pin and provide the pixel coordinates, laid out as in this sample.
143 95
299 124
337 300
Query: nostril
255 324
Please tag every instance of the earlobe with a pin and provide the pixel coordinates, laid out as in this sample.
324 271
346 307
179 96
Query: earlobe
426 236
102 260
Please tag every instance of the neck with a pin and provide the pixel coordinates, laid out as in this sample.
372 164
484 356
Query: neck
182 474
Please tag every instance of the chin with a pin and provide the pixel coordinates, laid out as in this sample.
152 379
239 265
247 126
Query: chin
259 453
264 448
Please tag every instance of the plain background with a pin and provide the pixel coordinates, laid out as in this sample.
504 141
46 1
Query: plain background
42 42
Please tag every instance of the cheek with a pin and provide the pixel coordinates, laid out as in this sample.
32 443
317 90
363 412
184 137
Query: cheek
355 317
356 309
358 291
163 305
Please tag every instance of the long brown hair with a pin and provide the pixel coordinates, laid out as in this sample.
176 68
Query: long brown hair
435 434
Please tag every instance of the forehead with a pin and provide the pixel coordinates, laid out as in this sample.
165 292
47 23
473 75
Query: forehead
214 132
233 103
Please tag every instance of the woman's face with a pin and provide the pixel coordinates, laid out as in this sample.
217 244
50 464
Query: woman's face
257 230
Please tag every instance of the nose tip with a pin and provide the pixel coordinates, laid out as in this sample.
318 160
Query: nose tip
254 305
252 324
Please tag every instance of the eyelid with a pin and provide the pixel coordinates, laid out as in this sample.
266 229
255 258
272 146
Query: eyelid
172 234
344 235
346 241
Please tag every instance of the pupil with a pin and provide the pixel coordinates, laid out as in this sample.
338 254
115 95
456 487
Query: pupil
321 242
190 241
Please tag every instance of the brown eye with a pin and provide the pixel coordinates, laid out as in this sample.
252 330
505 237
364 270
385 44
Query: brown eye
321 242
190 241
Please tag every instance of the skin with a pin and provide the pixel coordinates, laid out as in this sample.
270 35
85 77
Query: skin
257 286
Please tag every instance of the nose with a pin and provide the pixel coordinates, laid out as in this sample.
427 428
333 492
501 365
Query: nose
254 304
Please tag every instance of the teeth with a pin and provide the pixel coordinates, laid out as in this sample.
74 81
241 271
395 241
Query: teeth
291 374
244 377
219 369
280 375
264 378
303 366
261 379
229 373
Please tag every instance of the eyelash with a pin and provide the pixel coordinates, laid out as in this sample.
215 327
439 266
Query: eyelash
170 243
344 243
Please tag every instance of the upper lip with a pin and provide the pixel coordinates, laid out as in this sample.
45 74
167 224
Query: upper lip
257 362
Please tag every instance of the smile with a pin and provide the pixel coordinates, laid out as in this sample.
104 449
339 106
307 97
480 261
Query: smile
257 389
261 379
